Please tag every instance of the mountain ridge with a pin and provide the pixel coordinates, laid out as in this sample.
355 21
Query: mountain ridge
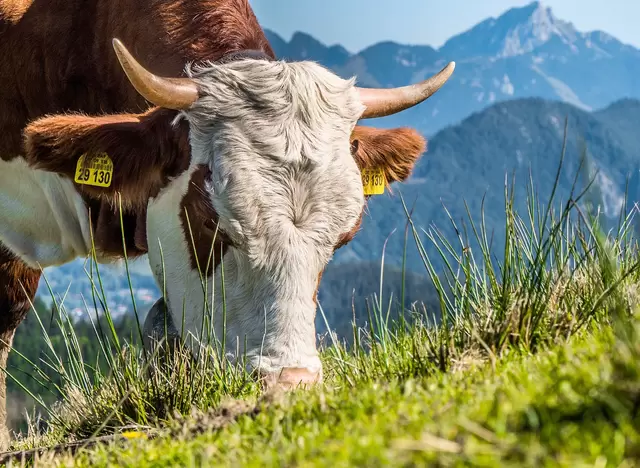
524 52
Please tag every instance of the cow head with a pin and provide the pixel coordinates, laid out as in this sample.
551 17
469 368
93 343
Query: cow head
271 188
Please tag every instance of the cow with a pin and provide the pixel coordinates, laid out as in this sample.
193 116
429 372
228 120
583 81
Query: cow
221 159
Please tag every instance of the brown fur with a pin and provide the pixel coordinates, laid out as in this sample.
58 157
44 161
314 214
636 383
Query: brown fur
14 275
396 150
58 57
199 223
231 25
107 231
145 149
18 284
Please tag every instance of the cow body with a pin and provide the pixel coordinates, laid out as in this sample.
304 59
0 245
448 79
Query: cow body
248 170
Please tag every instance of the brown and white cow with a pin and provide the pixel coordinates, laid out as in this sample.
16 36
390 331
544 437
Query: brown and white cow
244 162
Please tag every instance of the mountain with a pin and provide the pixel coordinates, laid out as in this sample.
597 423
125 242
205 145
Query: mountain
305 47
526 52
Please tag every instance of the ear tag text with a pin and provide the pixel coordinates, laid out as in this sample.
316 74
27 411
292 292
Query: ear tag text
373 181
99 171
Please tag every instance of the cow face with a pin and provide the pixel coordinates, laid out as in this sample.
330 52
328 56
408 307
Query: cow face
270 185
271 169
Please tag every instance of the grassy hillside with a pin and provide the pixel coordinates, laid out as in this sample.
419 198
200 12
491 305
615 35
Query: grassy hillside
534 361
340 308
38 341
569 406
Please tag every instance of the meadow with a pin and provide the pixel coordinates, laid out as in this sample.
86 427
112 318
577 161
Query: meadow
535 360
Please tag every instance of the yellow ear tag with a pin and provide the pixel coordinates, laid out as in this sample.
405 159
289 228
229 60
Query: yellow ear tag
373 181
99 171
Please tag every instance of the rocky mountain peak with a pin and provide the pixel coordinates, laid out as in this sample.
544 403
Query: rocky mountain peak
518 31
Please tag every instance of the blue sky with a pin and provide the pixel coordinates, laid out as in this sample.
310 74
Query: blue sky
359 23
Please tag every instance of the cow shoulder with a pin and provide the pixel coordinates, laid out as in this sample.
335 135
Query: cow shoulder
396 150
146 150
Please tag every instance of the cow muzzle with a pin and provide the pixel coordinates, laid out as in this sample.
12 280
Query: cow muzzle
290 378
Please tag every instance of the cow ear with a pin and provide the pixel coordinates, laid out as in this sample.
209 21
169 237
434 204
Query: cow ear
145 149
395 151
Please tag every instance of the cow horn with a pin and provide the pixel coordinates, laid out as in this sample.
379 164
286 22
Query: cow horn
383 102
171 93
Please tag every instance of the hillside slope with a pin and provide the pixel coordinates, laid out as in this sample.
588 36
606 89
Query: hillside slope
528 370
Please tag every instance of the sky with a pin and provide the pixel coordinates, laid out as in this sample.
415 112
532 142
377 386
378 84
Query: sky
357 24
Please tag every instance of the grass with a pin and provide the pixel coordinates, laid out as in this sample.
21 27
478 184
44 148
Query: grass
535 361
571 405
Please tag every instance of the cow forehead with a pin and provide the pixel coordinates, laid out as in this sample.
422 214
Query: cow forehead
276 92
295 113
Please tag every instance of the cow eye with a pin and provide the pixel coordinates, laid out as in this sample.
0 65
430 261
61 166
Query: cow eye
355 144
209 224
208 182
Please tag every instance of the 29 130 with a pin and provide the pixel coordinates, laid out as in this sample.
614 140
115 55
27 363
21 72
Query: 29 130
374 179
97 176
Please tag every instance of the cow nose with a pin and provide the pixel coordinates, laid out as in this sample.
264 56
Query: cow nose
290 378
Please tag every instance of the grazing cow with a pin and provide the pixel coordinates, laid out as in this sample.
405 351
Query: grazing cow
244 164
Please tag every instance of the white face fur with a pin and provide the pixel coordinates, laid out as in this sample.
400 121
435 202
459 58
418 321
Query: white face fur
285 186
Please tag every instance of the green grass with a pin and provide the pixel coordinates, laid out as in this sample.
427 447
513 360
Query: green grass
572 405
535 362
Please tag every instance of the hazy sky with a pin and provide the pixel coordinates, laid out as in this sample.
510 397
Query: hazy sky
359 23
